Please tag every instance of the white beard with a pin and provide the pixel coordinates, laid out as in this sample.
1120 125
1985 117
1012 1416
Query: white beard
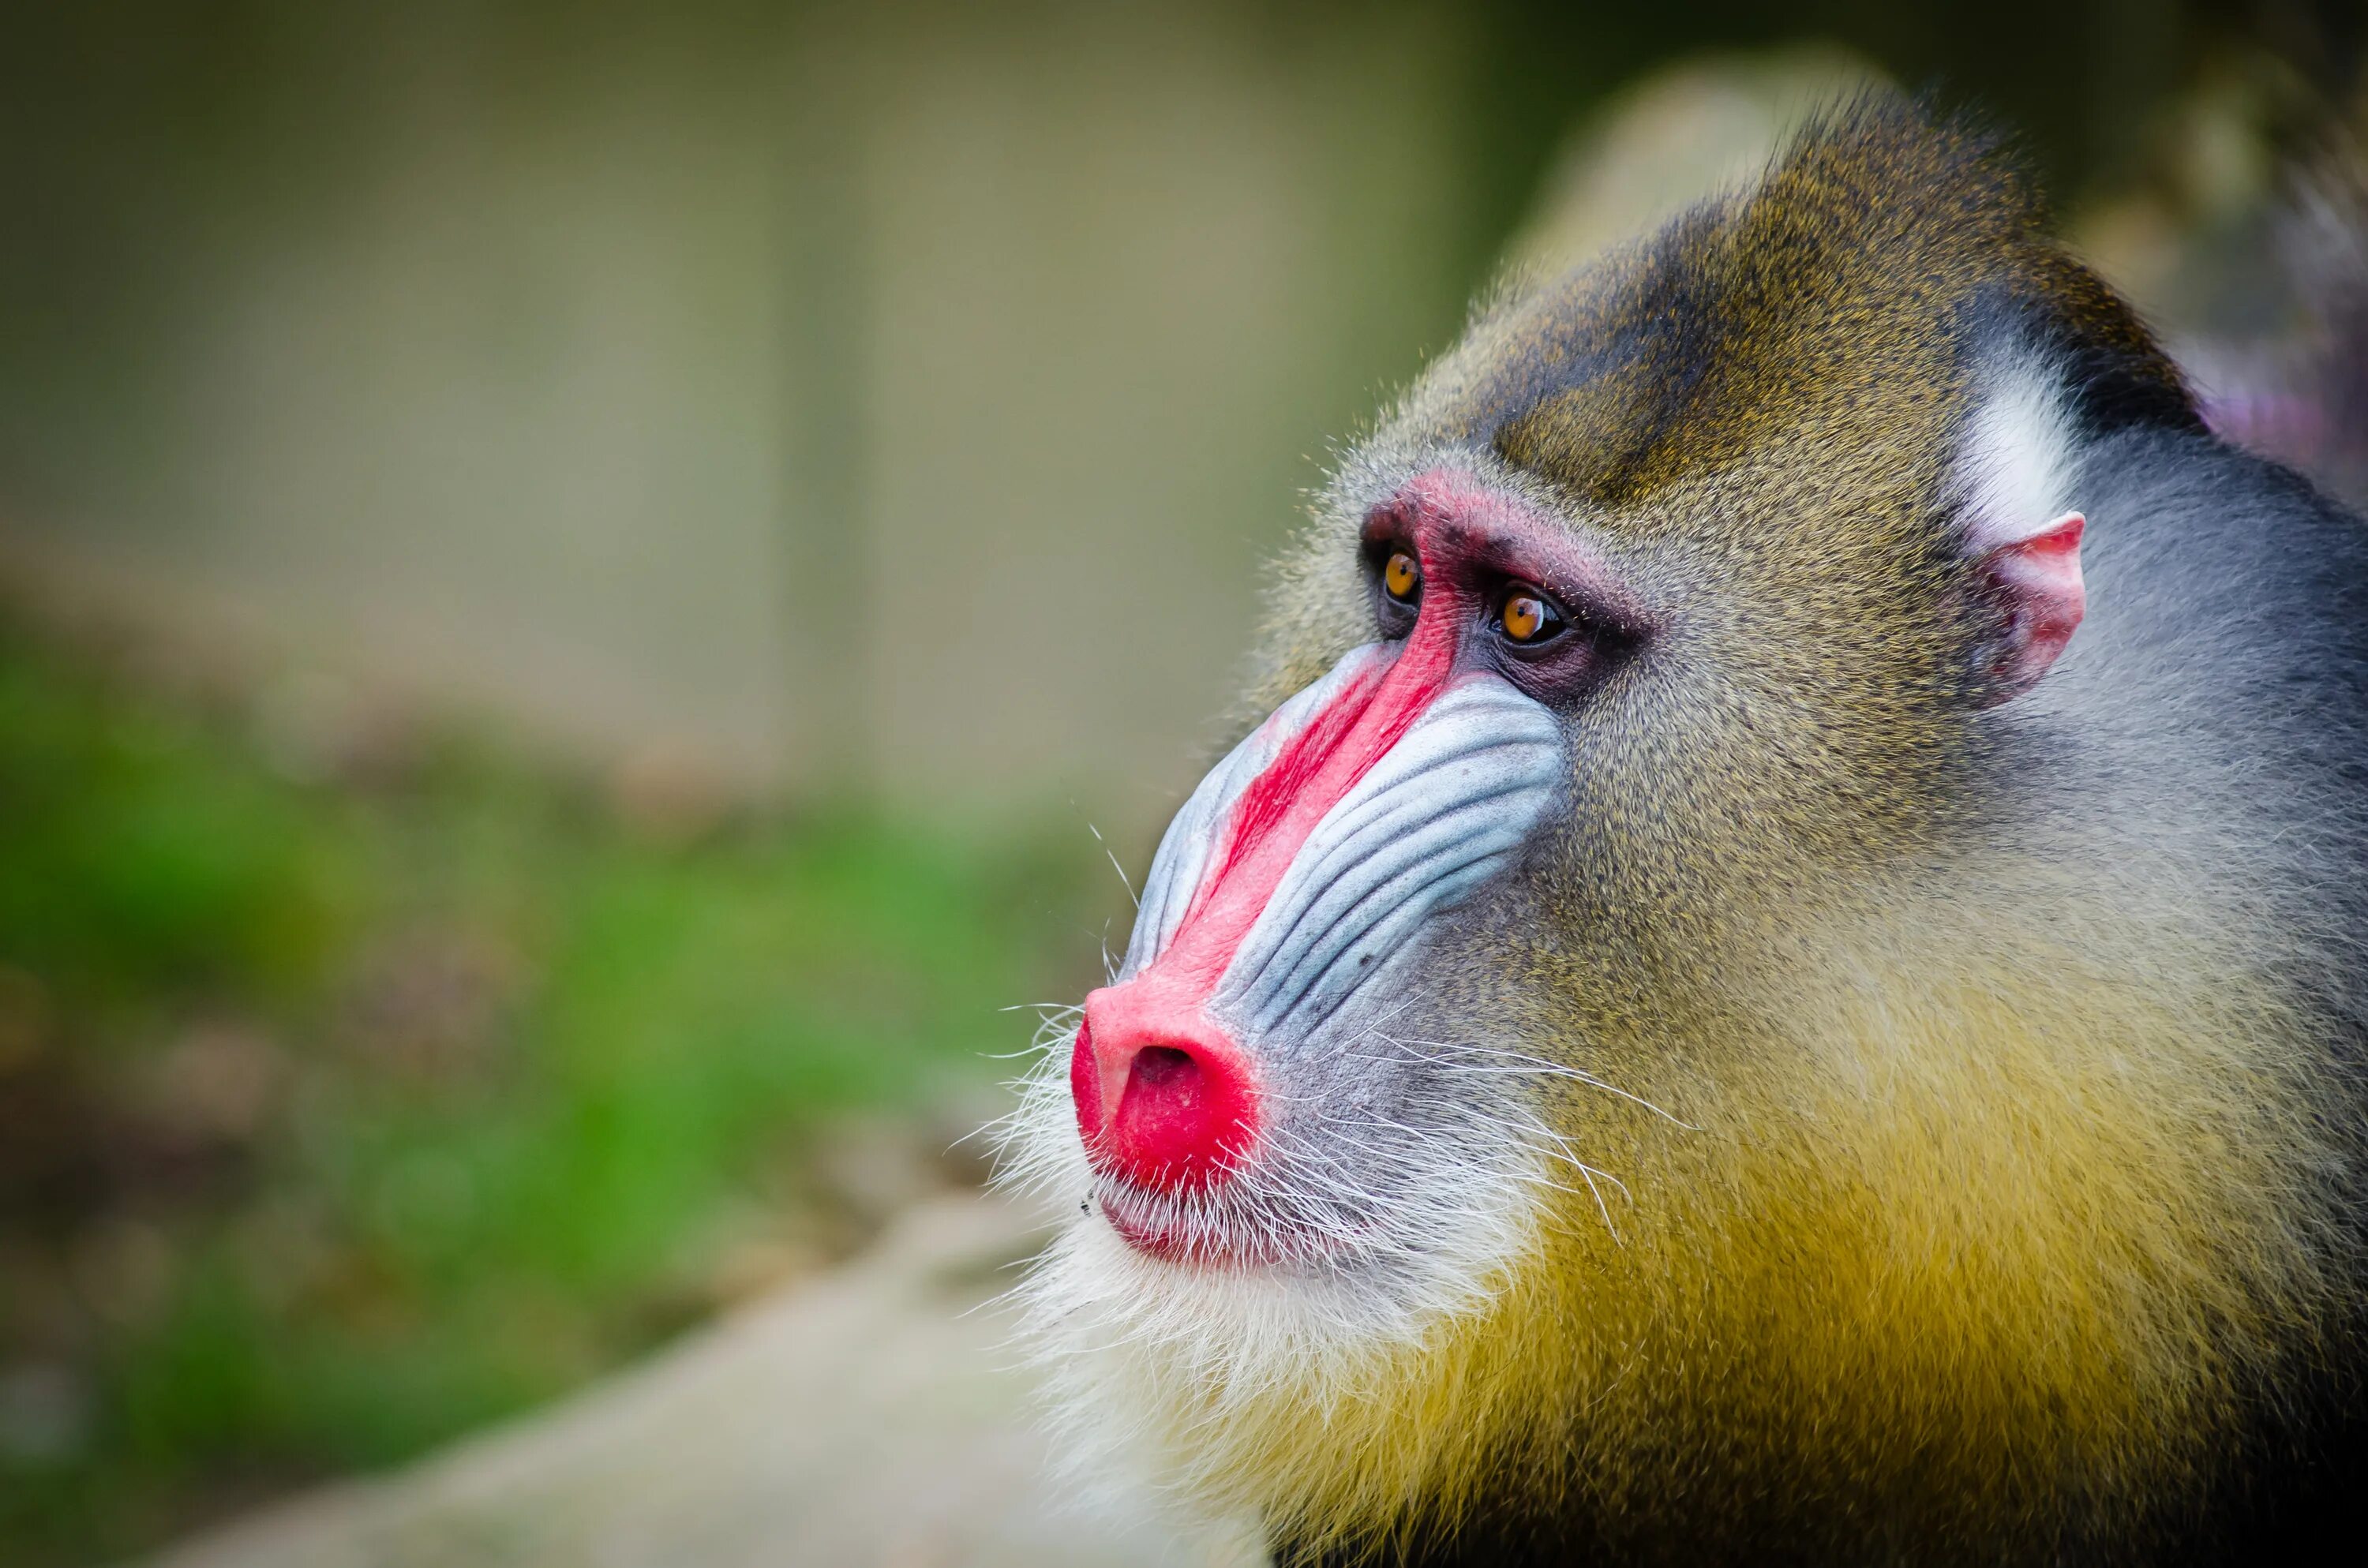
1148 1363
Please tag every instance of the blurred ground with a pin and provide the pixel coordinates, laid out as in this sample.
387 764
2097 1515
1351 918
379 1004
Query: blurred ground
871 1418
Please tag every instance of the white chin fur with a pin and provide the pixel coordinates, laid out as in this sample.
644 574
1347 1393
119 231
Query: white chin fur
1134 1348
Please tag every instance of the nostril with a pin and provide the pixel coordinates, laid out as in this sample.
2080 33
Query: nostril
1164 1070
1163 1098
1161 1108
1182 1117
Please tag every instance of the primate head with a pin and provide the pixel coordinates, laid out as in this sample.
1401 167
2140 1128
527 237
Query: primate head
1705 1000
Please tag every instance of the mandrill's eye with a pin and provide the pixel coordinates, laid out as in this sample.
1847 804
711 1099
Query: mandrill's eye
1402 577
1528 617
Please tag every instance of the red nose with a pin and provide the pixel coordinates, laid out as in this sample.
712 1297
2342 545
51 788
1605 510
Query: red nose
1165 1097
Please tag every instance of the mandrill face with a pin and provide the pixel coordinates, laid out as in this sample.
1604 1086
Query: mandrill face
1257 1088
1685 1033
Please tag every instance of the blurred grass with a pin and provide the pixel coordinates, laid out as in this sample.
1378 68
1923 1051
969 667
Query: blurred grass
352 1096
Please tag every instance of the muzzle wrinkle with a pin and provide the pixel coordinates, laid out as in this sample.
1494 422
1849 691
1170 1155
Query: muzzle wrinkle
1198 829
1433 820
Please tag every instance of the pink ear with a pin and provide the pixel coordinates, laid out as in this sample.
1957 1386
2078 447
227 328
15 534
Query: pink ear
2036 581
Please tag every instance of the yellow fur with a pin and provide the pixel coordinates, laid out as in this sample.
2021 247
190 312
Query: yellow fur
1989 1236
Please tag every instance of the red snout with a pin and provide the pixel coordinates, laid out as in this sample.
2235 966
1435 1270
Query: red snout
1165 1097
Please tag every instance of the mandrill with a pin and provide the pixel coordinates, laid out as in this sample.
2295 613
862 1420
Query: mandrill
1786 977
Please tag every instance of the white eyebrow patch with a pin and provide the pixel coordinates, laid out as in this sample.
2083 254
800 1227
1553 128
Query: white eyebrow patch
2015 468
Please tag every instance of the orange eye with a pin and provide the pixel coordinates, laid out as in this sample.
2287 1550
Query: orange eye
1526 617
1401 578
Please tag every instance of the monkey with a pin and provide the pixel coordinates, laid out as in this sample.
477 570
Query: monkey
1781 980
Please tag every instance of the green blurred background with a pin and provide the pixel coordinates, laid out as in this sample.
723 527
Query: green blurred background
576 580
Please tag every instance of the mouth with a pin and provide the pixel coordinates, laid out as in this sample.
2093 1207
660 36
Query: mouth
1121 1204
1209 1231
